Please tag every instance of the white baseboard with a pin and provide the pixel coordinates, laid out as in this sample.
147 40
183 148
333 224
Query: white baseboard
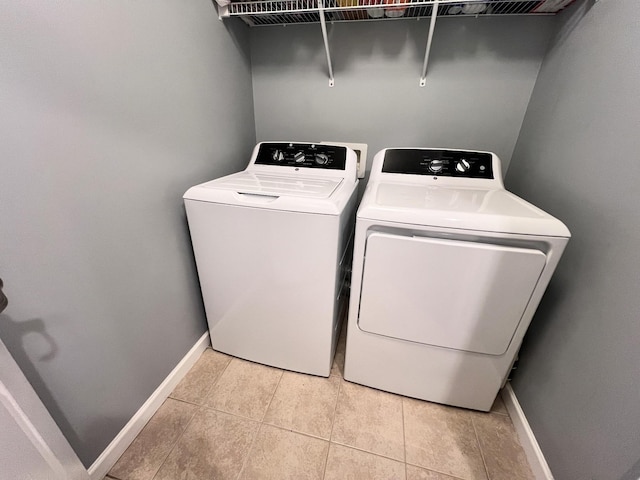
539 466
118 445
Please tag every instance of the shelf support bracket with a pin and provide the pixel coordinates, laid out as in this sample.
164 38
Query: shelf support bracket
432 26
323 25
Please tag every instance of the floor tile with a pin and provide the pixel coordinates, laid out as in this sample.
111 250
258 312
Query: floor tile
145 455
504 457
214 446
370 420
244 389
499 406
196 384
345 463
304 403
281 455
417 473
442 439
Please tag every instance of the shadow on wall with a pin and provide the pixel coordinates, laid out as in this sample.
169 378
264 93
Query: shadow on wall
192 265
12 334
454 39
238 33
575 13
633 473
542 326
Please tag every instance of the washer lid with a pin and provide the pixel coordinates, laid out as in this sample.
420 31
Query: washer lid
482 209
276 185
277 192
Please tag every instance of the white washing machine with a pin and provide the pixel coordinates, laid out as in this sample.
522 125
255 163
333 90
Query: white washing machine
448 270
271 248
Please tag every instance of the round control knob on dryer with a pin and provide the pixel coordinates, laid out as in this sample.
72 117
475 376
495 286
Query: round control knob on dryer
436 166
463 166
321 158
299 157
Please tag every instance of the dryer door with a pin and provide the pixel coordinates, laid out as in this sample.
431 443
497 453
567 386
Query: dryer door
462 295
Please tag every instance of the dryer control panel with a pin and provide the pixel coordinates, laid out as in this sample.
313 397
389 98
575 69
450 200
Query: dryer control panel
446 163
306 155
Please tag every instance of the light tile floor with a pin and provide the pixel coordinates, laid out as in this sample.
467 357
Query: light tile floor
233 419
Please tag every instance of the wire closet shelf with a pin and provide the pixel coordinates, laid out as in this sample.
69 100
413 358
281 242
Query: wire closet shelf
284 12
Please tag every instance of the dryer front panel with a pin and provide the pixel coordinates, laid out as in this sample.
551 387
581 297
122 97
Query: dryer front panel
455 294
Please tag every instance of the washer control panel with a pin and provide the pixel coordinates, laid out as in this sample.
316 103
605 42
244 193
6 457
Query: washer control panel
445 163
302 155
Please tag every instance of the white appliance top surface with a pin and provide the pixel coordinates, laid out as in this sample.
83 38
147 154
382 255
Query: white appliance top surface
298 193
482 209
287 176
276 185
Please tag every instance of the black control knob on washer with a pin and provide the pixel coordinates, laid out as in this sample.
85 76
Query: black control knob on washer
277 155
299 157
463 166
321 158
436 166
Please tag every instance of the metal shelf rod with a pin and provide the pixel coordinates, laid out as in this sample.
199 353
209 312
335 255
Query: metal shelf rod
432 26
323 25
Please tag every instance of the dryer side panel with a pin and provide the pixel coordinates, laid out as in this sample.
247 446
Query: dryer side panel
448 293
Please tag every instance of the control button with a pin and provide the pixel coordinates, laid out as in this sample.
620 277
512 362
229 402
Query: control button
277 155
321 158
436 166
463 166
299 157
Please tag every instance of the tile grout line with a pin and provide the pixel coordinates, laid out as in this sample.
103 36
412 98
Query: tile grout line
264 415
370 452
246 458
187 402
237 415
428 469
333 422
484 462
215 382
285 429
155 474
199 408
260 424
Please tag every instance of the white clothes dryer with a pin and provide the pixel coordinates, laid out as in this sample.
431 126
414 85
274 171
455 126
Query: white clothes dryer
448 270
271 248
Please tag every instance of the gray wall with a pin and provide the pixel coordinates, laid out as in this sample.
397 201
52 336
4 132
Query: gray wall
578 158
481 75
110 111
